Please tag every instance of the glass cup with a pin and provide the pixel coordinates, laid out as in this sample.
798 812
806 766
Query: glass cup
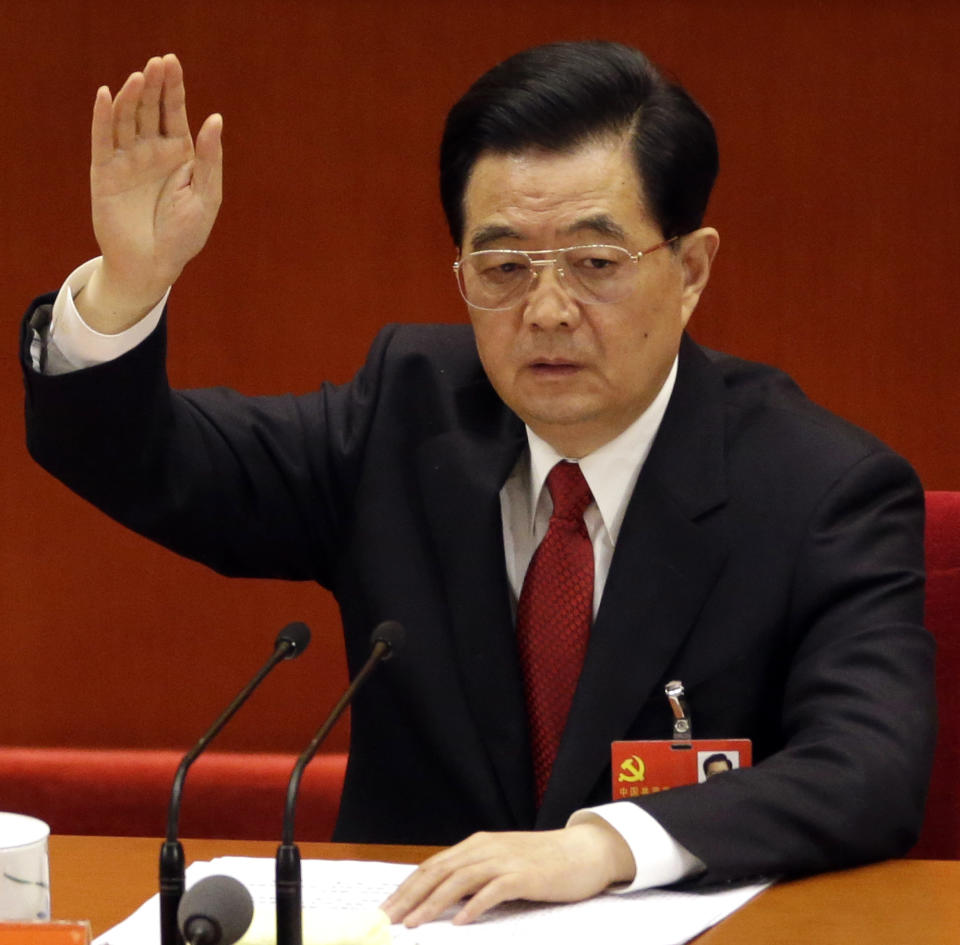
24 868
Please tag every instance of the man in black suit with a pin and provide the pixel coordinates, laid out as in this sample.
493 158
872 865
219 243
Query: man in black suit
744 540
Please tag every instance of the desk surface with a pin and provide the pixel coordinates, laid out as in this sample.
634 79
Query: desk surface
104 879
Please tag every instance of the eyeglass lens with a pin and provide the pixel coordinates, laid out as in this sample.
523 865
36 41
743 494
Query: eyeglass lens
494 279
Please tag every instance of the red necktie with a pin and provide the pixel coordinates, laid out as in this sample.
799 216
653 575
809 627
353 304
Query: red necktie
554 615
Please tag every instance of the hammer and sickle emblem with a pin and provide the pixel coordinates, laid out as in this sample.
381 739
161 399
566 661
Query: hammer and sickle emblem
631 769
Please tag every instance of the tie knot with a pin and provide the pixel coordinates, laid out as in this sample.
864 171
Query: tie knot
569 491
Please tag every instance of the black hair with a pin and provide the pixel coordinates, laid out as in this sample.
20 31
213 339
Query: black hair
713 759
560 96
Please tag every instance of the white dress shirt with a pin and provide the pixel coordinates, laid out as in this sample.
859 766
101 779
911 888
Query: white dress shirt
525 506
611 472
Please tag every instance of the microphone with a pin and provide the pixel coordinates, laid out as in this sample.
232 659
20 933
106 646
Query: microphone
386 640
216 911
290 643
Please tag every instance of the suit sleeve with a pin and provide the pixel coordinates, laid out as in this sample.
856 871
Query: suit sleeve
857 722
251 486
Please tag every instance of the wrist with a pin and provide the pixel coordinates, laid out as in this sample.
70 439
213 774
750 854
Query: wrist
110 304
608 848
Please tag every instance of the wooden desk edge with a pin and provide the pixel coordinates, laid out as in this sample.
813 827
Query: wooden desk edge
104 879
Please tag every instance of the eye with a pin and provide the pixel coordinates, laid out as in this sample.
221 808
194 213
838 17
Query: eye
506 268
499 267
596 257
597 262
593 264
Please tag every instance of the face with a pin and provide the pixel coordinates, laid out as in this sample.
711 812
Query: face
579 374
717 767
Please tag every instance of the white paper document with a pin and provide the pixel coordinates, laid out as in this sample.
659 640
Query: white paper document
331 887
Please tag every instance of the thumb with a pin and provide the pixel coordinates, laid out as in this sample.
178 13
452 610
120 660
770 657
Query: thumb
208 161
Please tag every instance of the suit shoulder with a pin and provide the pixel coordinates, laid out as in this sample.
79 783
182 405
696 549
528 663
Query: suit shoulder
758 395
434 355
447 346
429 376
771 425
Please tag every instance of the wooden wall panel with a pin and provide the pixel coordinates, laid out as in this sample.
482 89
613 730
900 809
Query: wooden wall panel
836 204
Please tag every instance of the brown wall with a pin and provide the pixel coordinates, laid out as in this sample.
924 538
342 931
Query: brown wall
837 205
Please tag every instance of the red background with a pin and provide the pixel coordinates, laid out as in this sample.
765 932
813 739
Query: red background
837 206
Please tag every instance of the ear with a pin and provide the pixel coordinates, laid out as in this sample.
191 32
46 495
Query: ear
696 253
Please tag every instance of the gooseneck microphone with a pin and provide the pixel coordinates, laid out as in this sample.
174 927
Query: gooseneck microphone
290 643
216 911
386 640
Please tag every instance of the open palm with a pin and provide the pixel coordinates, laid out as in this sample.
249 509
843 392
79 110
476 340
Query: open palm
154 195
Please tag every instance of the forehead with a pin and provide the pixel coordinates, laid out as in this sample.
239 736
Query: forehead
543 195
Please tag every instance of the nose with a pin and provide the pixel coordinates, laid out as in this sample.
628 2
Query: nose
549 303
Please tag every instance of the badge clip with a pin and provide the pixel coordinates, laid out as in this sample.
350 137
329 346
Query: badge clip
642 767
682 725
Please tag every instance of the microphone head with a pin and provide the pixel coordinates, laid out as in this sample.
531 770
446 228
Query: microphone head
215 911
391 634
296 635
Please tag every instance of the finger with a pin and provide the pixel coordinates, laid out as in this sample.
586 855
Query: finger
409 894
434 871
208 167
101 128
419 884
456 887
173 100
148 108
500 889
125 111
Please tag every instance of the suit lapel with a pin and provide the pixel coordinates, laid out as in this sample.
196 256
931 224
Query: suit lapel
668 556
462 472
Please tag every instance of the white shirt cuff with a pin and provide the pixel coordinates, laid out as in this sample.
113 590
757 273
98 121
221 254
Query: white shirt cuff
660 860
78 344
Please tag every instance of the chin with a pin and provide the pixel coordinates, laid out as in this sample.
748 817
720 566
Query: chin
558 422
553 411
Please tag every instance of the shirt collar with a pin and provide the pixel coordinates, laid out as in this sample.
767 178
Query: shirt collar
611 470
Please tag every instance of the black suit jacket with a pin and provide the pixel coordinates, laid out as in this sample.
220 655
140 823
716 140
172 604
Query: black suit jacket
770 558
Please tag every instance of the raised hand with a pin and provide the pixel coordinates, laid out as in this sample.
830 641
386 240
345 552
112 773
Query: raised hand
154 194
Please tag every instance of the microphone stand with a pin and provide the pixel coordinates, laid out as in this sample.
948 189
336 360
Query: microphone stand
291 641
387 638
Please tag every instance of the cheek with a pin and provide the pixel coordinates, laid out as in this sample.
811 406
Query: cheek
656 324
623 337
637 346
493 341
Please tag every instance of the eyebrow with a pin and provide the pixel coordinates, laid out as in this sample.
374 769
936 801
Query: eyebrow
492 232
600 223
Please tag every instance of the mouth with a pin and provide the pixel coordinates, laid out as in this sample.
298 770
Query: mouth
553 367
